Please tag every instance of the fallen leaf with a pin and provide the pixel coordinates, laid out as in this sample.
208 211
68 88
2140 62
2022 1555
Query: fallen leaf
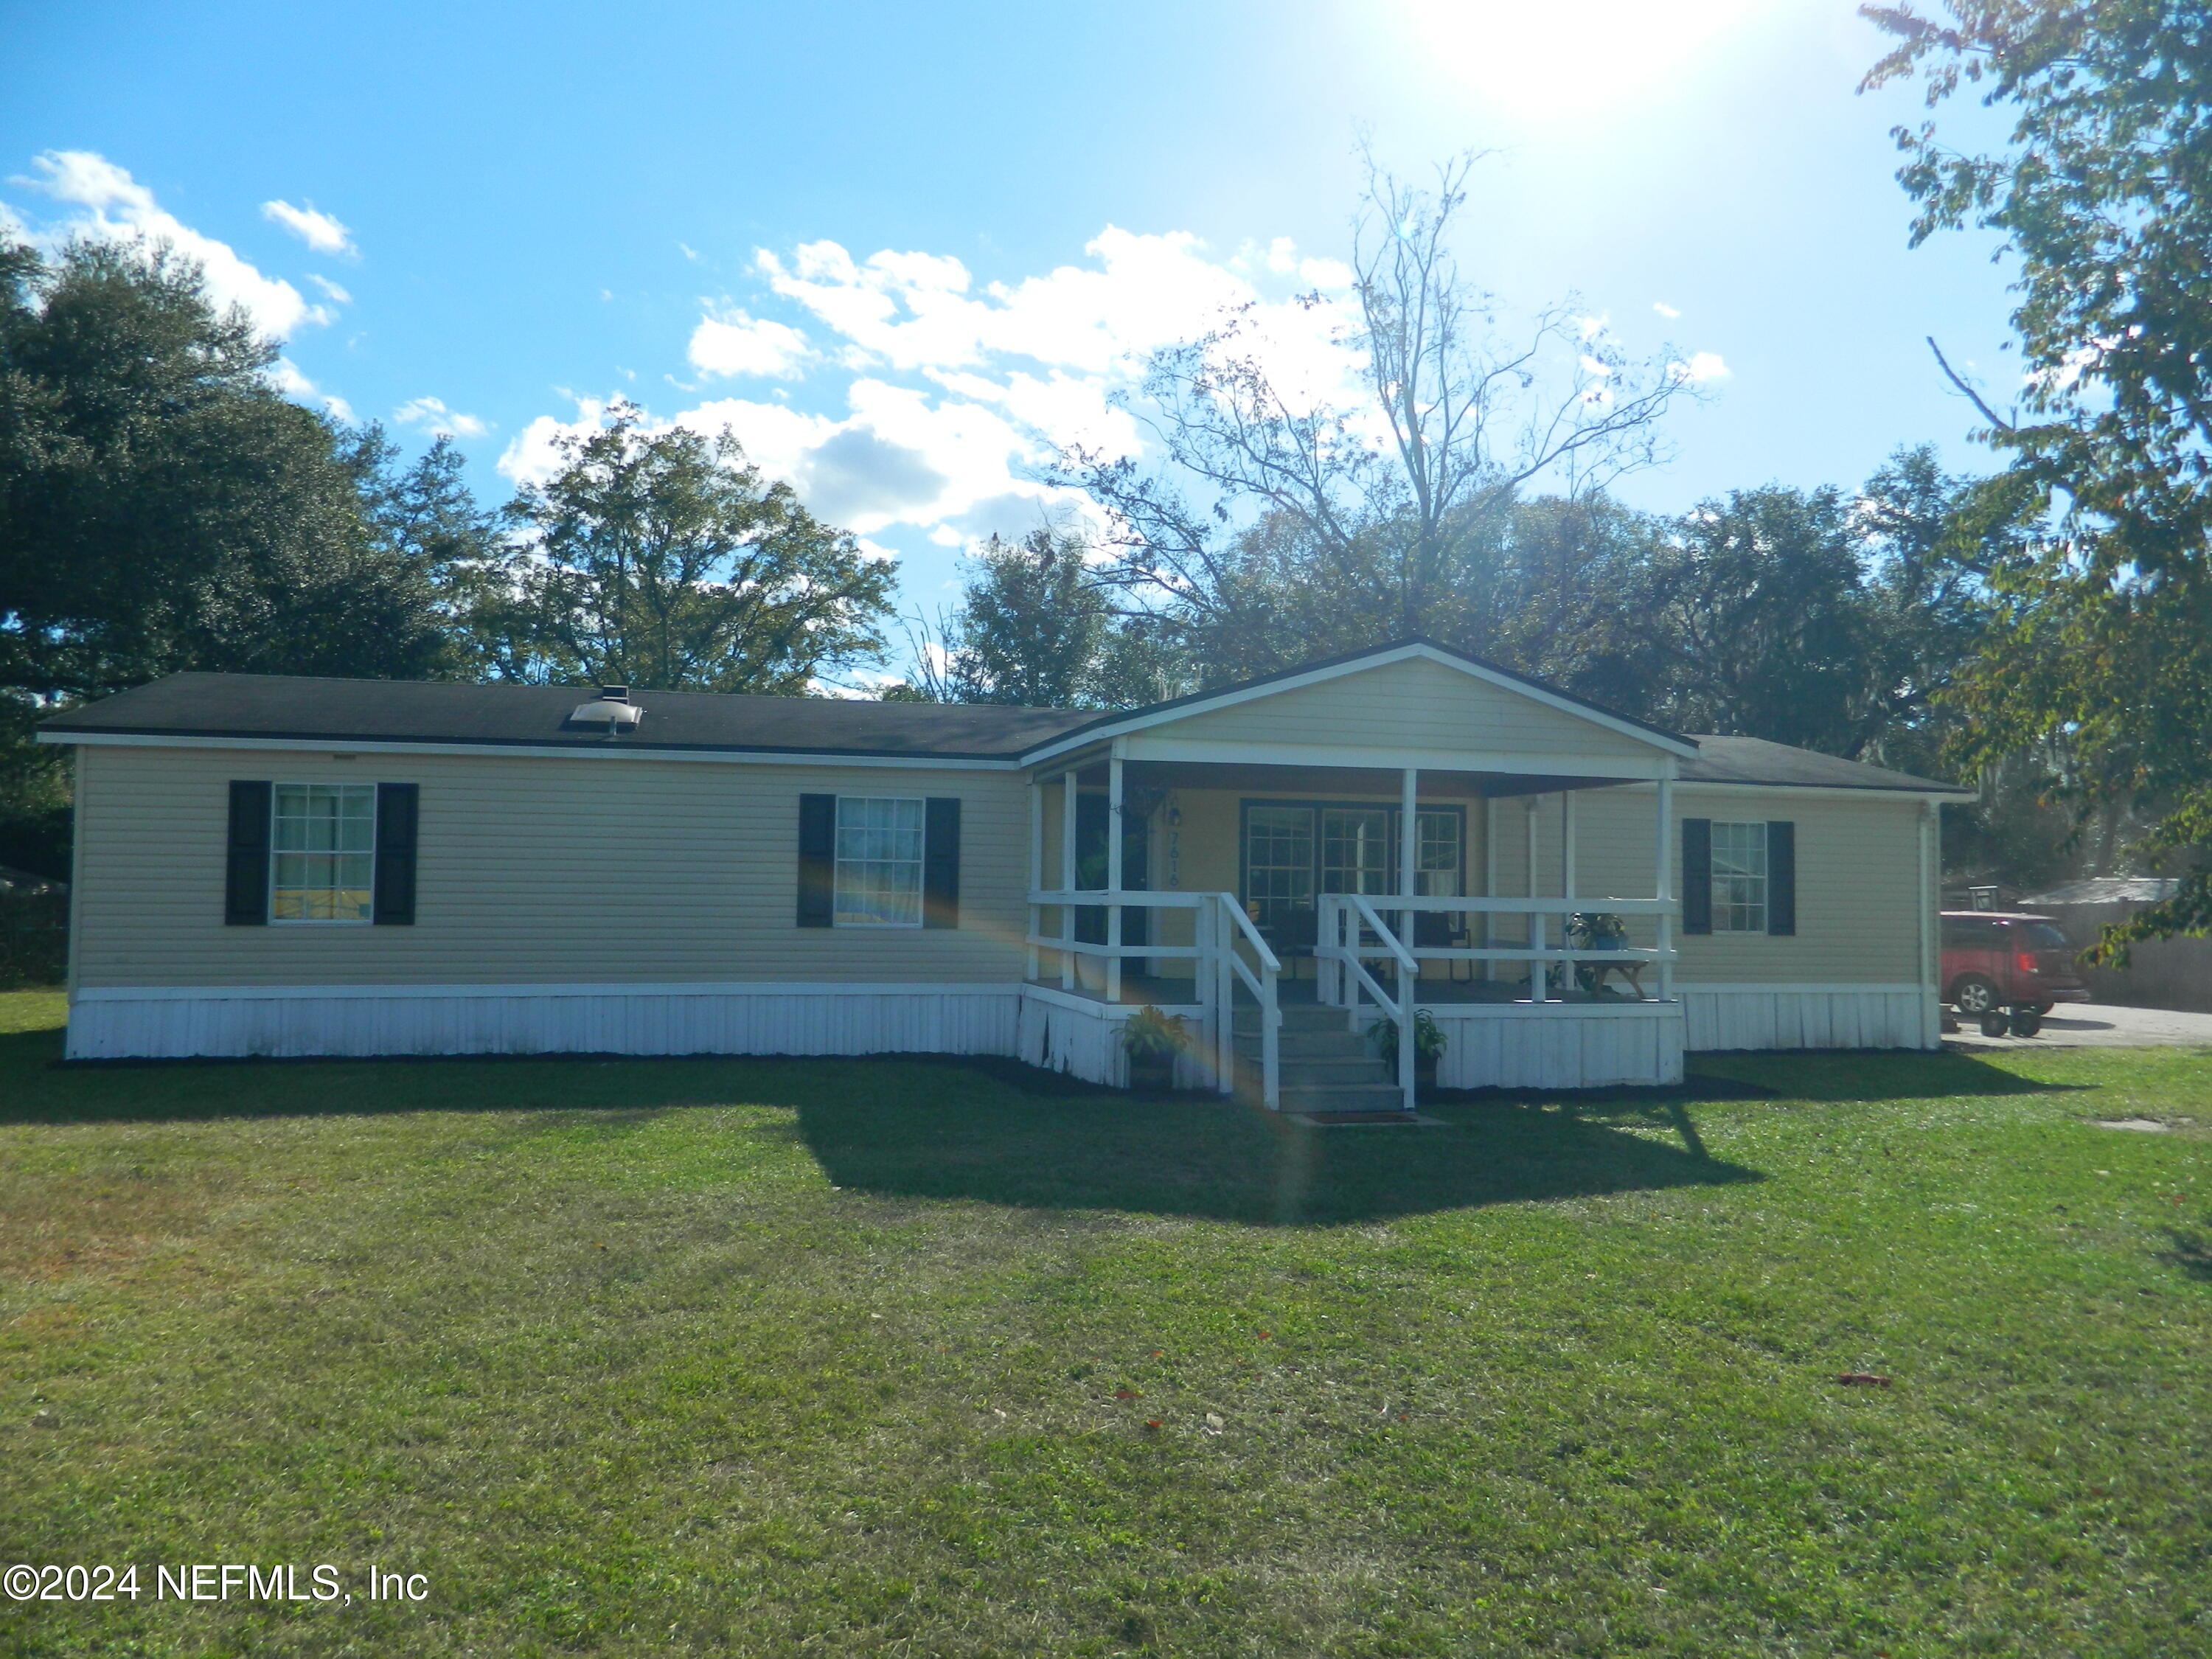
1128 1394
1152 1427
1215 1423
1866 1378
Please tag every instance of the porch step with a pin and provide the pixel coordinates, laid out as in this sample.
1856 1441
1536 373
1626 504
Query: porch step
1296 1017
1341 1097
1310 1045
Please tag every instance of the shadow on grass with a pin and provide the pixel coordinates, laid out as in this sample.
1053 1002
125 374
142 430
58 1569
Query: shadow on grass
1846 1076
1197 1157
934 1127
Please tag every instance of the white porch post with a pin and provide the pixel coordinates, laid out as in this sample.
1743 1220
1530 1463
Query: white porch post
1664 888
1530 806
1489 877
1570 884
1931 899
1035 959
1409 886
1113 831
1067 877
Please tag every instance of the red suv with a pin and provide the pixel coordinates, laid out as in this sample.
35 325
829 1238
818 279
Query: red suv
2006 968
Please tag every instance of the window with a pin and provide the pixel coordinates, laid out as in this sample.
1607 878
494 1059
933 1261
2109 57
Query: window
1739 878
2043 936
1293 851
1355 849
324 843
879 846
1278 862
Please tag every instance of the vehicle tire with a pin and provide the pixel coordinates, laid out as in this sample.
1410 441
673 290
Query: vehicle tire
1995 1022
2026 1021
1974 995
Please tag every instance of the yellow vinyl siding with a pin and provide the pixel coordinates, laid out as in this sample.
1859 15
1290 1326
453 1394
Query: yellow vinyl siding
532 871
1417 705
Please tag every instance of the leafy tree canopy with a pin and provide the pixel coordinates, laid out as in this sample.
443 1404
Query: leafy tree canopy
2100 651
161 506
665 559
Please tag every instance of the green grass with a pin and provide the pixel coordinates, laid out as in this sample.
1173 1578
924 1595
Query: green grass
860 1357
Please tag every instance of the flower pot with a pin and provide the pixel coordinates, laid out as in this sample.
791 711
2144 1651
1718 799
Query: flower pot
1151 1074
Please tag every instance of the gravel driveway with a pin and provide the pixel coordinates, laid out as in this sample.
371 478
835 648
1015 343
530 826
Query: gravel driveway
2094 1026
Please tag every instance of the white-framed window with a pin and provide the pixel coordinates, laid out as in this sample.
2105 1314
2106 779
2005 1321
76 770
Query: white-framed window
323 838
879 847
1739 878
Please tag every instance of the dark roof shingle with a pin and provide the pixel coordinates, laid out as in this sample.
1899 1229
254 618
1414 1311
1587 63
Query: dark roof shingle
278 707
416 711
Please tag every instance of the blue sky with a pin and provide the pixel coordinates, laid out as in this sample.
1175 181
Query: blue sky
496 218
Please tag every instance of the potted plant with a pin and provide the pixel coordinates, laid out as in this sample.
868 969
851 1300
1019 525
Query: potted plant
1153 1040
1597 930
1429 1045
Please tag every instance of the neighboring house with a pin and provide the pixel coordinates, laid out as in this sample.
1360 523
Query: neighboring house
304 866
2161 973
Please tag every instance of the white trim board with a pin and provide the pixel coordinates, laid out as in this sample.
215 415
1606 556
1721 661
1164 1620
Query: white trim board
1145 718
615 750
1371 758
447 992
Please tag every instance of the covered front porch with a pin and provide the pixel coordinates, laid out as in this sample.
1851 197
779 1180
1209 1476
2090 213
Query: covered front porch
1239 891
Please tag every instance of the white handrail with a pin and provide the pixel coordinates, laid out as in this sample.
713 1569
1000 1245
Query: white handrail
1338 908
1220 966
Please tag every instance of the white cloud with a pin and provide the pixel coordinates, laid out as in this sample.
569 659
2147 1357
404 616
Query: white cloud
957 391
114 207
733 343
286 376
330 291
1703 366
320 231
433 416
914 311
1665 310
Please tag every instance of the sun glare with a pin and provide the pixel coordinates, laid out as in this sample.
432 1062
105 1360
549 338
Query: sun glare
1573 59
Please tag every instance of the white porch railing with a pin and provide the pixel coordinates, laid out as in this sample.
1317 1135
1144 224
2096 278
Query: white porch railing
1354 929
1226 949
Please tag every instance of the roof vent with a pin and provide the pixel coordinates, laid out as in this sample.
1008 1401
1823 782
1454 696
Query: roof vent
612 710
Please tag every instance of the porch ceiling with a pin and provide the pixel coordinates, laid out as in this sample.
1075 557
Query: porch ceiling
1378 782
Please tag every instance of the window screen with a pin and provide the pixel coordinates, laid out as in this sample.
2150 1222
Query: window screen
1739 878
879 844
325 842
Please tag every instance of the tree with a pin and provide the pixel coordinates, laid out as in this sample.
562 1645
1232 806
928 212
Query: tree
162 507
2101 641
665 560
1766 621
1035 630
1032 626
1377 515
426 514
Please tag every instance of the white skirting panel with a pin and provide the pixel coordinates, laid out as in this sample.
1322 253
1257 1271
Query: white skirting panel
1810 1017
527 1020
1558 1045
1083 1038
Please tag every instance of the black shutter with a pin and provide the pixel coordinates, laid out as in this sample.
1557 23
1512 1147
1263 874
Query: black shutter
1696 875
940 863
246 883
818 860
1781 878
394 903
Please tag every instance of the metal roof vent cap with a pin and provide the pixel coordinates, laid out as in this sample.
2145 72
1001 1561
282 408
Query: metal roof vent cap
612 709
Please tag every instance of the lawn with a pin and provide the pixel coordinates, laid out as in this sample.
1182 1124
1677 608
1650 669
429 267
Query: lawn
871 1357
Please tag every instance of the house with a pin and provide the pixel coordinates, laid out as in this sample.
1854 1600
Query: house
2161 973
293 867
